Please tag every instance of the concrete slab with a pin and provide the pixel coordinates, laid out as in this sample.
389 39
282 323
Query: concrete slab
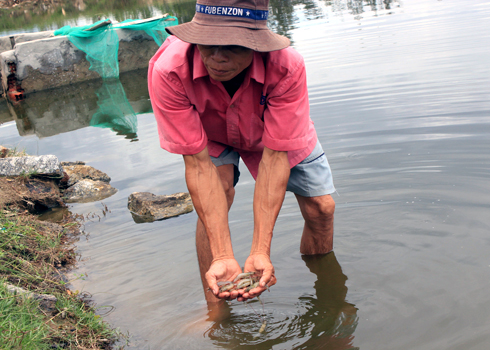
25 37
8 42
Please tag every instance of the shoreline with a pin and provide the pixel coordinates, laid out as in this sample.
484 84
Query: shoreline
35 257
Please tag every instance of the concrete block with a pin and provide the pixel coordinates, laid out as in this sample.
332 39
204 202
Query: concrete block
5 44
44 62
46 55
6 57
8 42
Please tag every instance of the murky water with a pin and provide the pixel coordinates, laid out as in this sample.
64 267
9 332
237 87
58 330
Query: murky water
400 95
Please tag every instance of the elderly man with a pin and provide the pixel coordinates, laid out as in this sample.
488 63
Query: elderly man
225 87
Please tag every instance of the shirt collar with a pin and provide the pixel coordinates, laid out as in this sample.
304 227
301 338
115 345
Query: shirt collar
199 70
257 68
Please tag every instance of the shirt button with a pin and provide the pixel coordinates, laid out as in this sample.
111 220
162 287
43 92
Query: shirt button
232 106
234 142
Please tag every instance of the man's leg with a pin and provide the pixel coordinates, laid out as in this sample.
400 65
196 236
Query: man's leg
204 256
318 213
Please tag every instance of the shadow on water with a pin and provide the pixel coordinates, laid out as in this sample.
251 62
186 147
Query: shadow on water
324 320
109 103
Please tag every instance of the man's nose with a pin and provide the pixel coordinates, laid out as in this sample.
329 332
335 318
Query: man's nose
219 55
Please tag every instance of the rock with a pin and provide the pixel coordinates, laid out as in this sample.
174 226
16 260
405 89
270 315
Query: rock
47 302
88 191
147 207
77 171
41 195
48 165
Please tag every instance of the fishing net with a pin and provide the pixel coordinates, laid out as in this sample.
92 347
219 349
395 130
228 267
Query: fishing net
155 29
114 111
100 42
100 45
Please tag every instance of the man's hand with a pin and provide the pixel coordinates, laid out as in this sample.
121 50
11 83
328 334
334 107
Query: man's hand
260 263
223 270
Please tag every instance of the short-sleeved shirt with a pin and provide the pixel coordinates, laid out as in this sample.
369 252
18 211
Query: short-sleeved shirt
270 108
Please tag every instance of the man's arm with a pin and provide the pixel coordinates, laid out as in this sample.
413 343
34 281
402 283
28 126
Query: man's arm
209 199
270 189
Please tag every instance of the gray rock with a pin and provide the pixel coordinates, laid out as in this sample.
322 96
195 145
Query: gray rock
88 191
147 207
78 171
39 165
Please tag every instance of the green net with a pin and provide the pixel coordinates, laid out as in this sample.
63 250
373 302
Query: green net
100 42
155 28
101 46
114 111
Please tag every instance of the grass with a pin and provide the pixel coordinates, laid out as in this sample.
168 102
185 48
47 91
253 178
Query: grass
21 325
33 256
14 152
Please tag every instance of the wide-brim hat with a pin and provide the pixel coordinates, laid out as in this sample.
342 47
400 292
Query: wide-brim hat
231 22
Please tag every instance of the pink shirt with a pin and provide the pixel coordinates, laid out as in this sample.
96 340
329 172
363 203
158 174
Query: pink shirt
194 111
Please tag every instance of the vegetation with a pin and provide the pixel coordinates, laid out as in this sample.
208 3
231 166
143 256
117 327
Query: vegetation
21 325
33 256
37 310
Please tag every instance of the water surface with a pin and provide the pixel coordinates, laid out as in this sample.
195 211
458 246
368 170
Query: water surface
400 96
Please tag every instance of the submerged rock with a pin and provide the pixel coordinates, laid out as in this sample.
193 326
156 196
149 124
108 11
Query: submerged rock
147 207
47 165
88 191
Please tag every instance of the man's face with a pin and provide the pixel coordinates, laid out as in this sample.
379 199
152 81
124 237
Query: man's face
223 63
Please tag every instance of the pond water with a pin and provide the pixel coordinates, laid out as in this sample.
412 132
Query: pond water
400 96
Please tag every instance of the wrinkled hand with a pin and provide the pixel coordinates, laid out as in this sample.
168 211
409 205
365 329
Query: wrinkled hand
261 263
222 270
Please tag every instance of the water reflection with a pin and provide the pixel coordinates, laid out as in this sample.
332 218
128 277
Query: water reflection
81 12
110 103
324 320
114 111
283 16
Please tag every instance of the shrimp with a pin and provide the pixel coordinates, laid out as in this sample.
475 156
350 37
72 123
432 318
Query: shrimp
244 283
243 275
225 286
252 286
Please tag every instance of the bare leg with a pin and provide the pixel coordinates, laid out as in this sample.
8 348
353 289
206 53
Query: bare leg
204 256
318 213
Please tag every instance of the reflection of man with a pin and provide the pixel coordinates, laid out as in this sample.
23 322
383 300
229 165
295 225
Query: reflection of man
331 320
324 320
225 87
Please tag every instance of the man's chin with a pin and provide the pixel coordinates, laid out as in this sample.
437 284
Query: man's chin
222 77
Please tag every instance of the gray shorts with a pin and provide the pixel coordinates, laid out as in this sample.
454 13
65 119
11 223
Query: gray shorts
310 178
